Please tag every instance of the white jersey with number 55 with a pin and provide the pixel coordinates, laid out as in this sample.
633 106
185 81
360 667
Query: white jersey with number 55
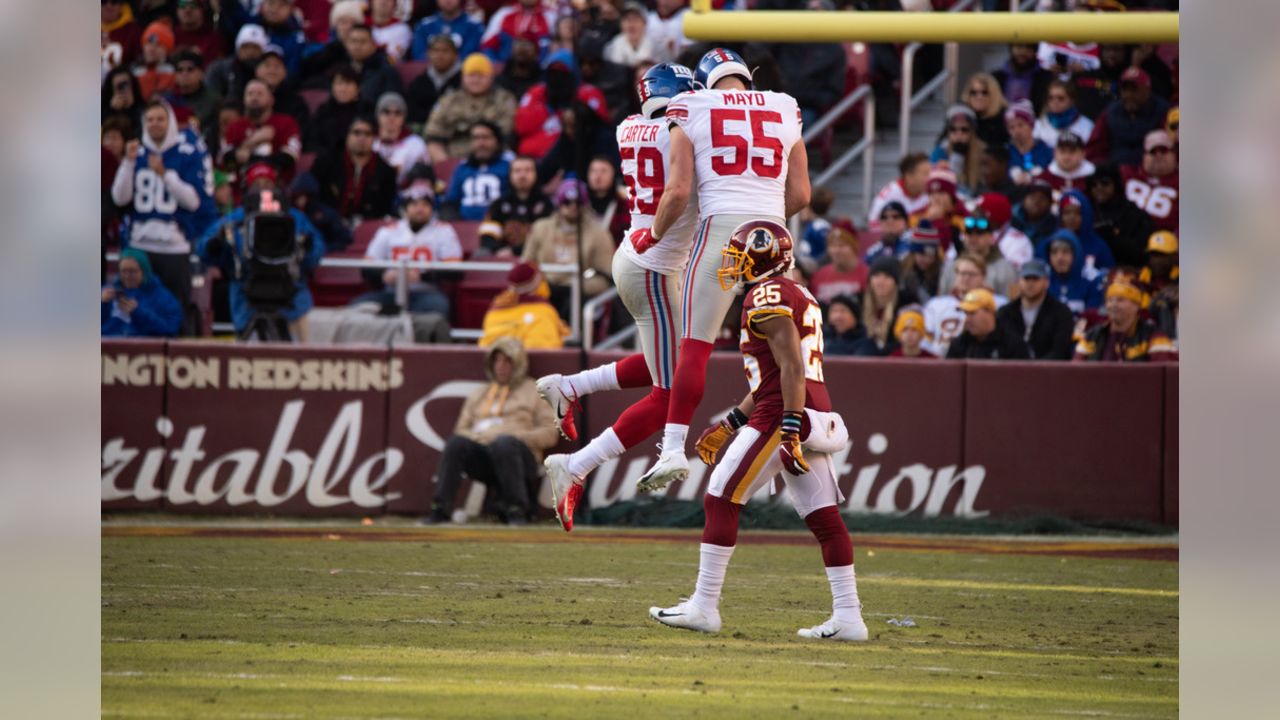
644 145
741 140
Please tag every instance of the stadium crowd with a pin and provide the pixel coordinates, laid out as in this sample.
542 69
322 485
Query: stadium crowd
1042 224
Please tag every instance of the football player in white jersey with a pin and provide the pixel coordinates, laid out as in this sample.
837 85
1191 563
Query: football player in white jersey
649 285
745 149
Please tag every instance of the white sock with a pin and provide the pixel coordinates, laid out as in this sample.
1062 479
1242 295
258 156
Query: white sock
603 448
711 569
586 382
845 606
674 436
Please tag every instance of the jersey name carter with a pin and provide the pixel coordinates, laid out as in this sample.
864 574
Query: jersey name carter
644 145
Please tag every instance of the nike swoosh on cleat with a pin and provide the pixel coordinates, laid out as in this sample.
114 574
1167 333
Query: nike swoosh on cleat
665 614
831 634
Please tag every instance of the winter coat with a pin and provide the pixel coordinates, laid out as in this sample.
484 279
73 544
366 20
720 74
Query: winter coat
451 120
377 77
377 197
1072 289
158 313
1118 136
846 343
531 319
428 88
1098 258
1036 230
551 240
1125 227
465 30
1050 336
999 345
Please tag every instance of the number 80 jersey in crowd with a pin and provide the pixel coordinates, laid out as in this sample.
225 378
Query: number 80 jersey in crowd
644 145
741 140
773 298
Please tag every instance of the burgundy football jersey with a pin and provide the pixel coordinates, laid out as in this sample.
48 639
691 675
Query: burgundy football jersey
1158 197
771 298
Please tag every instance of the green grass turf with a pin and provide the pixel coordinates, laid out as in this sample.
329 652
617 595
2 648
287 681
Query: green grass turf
276 628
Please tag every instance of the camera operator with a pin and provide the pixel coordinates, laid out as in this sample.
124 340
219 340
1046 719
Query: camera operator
229 246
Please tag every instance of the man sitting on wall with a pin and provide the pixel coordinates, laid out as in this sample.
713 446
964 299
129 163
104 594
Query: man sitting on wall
502 431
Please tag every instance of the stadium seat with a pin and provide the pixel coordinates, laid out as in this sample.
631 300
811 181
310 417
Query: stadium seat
468 235
474 295
314 98
444 169
336 286
361 236
410 70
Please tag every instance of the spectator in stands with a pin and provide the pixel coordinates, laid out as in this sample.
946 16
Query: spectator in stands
894 241
1022 78
1126 336
1096 89
417 236
195 30
524 311
521 20
1160 277
944 213
448 130
153 71
943 318
162 179
361 185
631 46
377 75
448 22
960 148
922 267
602 19
980 241
190 91
319 64
1043 323
613 80
813 240
136 304
993 171
1032 217
507 225
666 30
121 33
482 178
1075 213
283 28
1153 185
122 97
908 330
503 429
909 189
400 148
1069 169
843 335
983 95
223 246
1028 156
607 198
522 71
542 111
880 303
304 194
554 240
844 274
983 338
1146 57
271 69
443 74
1014 245
1067 282
1120 223
1120 129
327 131
263 134
391 34
215 136
564 34
228 76
1061 115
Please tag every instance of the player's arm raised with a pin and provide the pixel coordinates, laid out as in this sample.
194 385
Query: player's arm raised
784 342
797 193
675 194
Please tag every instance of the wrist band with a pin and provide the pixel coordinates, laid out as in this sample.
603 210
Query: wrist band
791 422
736 418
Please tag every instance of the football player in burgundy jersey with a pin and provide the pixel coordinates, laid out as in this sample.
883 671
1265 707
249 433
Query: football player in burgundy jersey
787 413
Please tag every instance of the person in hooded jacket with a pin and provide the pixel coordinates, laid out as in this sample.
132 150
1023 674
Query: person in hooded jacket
137 304
503 429
1066 279
524 311
304 193
1120 223
1033 216
1075 213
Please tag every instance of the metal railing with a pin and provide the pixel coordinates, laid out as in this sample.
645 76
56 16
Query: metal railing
594 307
865 147
910 101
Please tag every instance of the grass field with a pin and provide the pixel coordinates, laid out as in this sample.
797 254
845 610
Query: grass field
350 622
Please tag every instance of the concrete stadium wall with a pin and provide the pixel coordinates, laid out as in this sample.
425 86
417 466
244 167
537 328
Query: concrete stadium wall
193 427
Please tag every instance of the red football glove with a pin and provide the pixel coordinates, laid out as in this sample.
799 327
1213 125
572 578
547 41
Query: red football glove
789 449
643 239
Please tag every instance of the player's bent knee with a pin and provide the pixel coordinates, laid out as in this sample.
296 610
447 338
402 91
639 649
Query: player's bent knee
721 527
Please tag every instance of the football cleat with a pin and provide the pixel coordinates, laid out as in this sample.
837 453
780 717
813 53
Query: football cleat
566 489
563 405
835 630
671 467
688 616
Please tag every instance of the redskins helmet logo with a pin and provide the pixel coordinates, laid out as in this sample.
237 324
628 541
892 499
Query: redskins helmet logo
761 240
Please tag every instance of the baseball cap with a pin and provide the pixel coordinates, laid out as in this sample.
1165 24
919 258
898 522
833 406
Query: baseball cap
1157 138
1137 76
1162 241
980 299
273 49
251 35
190 55
1042 185
1034 268
260 171
997 208
638 8
1070 139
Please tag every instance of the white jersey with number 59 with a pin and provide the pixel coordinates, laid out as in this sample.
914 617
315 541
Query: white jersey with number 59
741 142
644 145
